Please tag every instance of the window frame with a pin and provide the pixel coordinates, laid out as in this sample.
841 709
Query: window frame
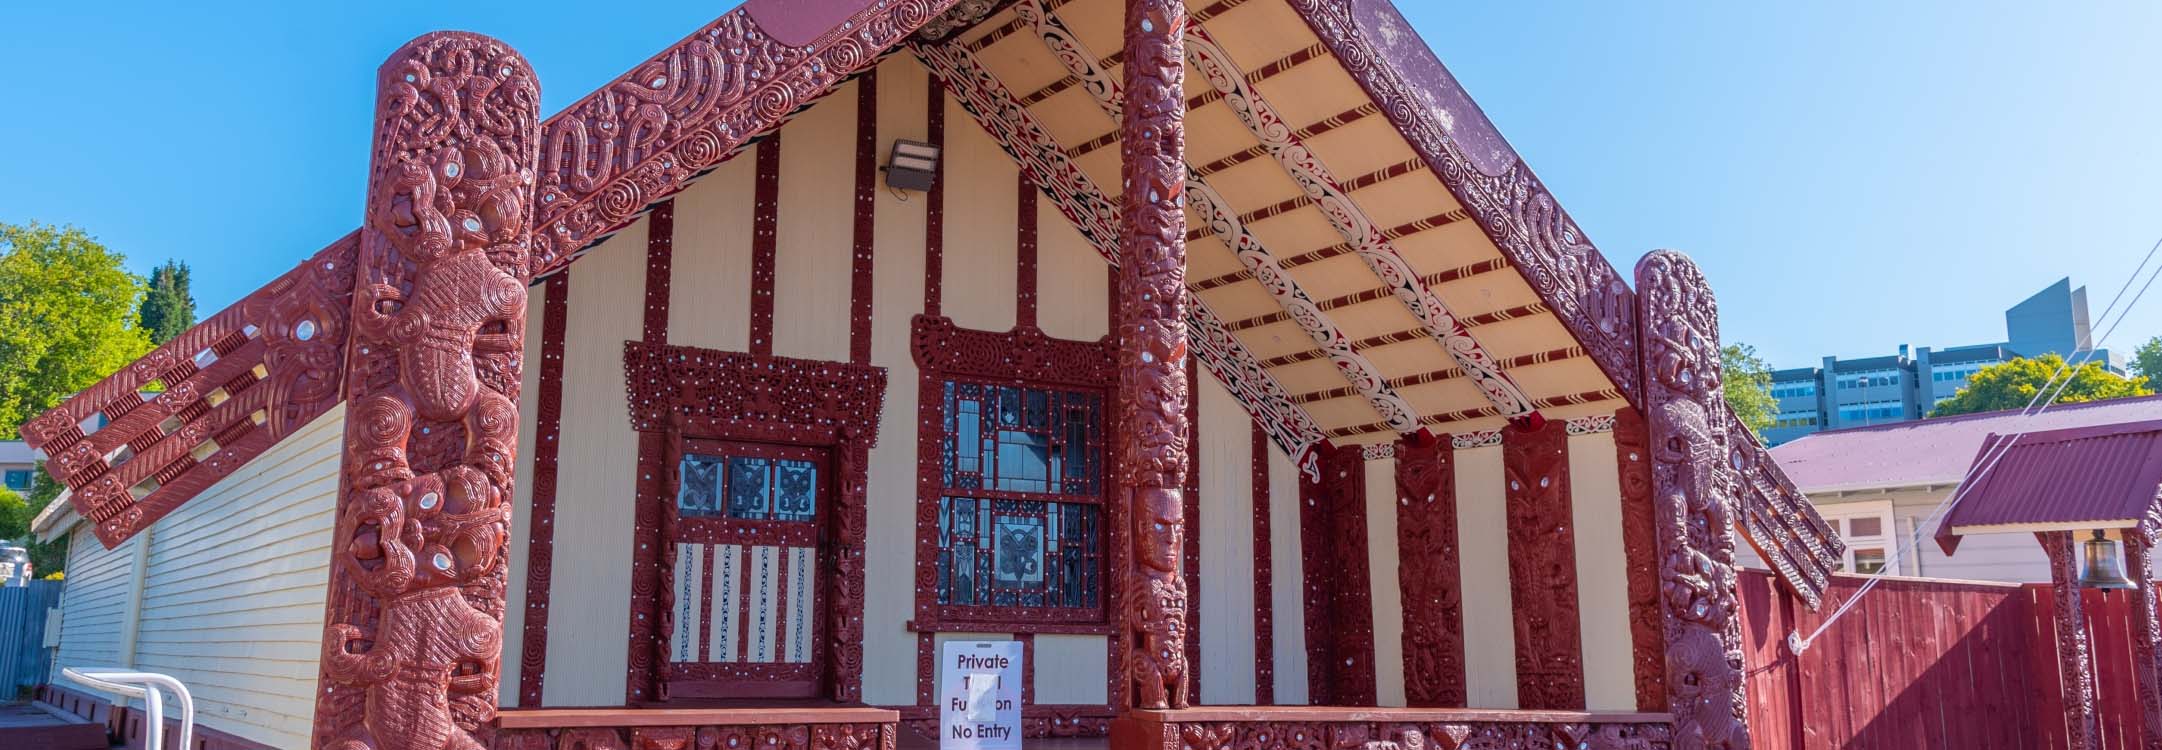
1841 516
1015 617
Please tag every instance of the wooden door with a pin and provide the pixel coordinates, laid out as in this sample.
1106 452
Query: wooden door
750 562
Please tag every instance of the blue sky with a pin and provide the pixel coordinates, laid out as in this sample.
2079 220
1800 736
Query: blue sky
1852 175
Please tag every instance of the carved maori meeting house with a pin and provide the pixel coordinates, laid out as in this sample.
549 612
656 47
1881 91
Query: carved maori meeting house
1220 353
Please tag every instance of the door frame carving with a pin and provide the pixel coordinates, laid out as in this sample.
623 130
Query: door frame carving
675 391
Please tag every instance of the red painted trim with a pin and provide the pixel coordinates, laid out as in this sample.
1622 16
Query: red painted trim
861 282
1338 581
124 724
541 532
1025 253
705 601
765 242
660 258
1542 567
1429 573
1028 667
1192 537
1264 587
934 207
1640 549
763 399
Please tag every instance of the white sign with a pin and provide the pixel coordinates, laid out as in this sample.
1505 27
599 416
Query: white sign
980 706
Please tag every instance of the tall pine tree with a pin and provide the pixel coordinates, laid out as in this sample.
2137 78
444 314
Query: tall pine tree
168 309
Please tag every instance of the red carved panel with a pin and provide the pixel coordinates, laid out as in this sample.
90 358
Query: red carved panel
2075 664
860 280
1640 550
540 539
1429 573
2139 545
1153 386
1264 586
1542 567
678 390
712 737
1264 734
1694 500
1192 509
235 384
415 611
765 241
1779 521
1338 580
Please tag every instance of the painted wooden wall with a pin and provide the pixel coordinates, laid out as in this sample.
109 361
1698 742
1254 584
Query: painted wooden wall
225 594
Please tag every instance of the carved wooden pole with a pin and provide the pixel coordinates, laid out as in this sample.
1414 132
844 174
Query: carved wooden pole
2075 675
1693 497
414 619
1152 350
2139 544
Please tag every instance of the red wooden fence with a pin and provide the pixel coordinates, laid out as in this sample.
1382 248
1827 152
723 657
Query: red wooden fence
1925 663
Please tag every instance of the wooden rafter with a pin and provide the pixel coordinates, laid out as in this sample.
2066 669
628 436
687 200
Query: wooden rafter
1433 279
1361 375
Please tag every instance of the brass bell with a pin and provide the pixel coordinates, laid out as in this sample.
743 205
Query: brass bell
2105 565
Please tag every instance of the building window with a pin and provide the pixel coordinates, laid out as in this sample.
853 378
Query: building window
17 480
1867 530
1020 516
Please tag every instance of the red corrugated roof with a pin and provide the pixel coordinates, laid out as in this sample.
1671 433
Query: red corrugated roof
2104 475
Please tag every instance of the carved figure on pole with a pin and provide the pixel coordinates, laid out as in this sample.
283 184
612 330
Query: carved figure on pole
1153 350
414 628
1693 495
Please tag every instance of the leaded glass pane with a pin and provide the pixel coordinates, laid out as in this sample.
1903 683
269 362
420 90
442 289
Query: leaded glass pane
698 494
796 491
750 495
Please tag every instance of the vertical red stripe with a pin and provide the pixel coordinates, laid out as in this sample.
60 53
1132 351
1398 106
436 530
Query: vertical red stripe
780 604
860 279
660 252
1264 588
1338 581
765 240
1542 567
1640 550
1025 254
1192 537
1028 667
1429 573
707 554
934 208
540 538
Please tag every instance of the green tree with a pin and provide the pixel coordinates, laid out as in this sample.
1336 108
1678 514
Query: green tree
1748 386
67 317
2013 384
45 557
2147 359
167 307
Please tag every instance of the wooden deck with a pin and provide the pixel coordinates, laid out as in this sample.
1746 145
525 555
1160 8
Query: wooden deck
37 726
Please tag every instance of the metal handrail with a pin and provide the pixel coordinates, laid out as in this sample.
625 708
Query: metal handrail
143 685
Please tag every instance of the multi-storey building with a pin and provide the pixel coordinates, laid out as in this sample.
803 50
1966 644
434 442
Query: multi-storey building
1893 388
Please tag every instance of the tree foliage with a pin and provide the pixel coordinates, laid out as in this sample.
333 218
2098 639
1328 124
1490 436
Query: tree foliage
2013 385
2147 359
167 307
1748 386
67 317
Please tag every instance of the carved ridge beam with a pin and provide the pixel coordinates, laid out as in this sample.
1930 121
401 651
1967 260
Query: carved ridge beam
1358 229
995 109
1360 374
645 135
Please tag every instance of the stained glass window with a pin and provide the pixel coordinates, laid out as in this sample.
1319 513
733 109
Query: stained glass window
1020 513
747 488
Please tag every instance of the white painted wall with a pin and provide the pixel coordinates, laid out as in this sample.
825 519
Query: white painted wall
1387 590
1602 573
1483 539
231 600
1287 581
1226 527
